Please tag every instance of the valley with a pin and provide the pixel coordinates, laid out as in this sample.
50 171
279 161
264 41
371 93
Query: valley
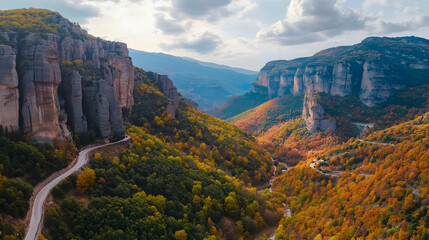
101 142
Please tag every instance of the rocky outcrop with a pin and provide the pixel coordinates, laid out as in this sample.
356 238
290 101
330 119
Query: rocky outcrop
374 70
167 87
40 75
102 108
122 72
9 104
71 90
315 116
89 80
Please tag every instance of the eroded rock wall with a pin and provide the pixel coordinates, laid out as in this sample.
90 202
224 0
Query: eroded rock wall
38 70
372 70
9 95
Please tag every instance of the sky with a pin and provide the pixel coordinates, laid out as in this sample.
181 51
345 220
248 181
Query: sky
240 33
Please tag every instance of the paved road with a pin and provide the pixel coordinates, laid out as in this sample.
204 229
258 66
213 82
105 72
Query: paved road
37 212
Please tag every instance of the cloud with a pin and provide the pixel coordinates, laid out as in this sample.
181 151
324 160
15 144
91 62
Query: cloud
370 3
210 10
379 26
204 44
168 26
311 21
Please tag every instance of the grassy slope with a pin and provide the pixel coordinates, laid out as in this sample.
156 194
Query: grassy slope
259 119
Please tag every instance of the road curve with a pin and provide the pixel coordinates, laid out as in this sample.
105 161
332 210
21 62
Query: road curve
37 209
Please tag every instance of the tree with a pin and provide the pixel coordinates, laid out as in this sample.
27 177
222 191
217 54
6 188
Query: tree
408 203
181 235
2 180
86 179
231 206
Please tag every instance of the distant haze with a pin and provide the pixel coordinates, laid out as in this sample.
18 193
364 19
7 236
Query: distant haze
206 83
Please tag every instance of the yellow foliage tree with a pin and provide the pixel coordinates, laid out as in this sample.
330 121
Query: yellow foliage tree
86 179
408 203
181 235
2 180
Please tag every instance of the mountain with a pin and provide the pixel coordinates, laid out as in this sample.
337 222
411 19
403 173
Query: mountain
374 70
208 84
218 66
342 92
184 174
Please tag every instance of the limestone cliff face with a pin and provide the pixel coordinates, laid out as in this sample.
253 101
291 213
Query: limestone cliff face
71 88
102 108
375 87
9 95
42 75
315 116
374 70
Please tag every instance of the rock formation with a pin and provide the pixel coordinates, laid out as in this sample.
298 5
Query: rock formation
9 104
88 79
315 117
170 91
374 70
71 89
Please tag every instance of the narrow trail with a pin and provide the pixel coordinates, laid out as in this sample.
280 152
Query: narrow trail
334 173
375 142
37 206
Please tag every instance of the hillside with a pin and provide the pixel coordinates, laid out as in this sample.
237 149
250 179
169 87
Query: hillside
348 92
290 140
371 188
185 174
170 179
261 118
207 84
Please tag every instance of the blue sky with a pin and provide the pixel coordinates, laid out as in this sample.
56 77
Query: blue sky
240 33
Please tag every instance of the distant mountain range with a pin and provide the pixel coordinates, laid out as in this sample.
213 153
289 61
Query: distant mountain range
208 84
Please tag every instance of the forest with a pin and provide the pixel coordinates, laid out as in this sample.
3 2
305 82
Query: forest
187 177
23 164
382 191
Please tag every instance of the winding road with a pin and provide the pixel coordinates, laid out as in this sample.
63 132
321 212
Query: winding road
37 208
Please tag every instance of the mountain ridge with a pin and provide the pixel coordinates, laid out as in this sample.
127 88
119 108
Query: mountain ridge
207 85
374 70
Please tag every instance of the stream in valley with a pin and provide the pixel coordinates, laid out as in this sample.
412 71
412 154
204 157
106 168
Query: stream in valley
287 212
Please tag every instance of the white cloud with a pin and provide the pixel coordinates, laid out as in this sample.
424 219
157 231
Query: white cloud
203 44
311 21
168 25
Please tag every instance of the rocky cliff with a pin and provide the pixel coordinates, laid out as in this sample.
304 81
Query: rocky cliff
9 116
63 71
374 70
